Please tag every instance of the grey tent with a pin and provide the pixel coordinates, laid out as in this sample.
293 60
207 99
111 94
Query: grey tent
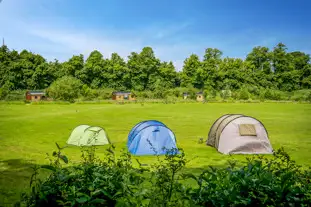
239 134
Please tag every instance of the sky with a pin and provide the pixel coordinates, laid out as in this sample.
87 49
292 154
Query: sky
175 29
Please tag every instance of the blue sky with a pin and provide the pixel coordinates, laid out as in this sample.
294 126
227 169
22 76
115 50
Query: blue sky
173 28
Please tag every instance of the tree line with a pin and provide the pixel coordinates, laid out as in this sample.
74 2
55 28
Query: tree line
274 68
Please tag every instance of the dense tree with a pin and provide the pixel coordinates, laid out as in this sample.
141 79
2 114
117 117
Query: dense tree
281 59
118 74
189 71
211 63
262 68
260 57
73 66
300 60
144 69
167 75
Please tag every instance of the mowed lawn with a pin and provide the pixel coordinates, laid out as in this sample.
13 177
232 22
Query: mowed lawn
28 132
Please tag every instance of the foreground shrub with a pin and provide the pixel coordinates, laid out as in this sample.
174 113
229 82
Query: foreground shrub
93 182
261 181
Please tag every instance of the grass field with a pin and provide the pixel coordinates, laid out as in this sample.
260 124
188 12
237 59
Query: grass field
27 132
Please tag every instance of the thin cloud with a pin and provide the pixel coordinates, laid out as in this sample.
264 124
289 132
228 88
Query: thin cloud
54 39
24 26
87 41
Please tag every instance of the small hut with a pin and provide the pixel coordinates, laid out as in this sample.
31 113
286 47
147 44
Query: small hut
35 95
200 96
185 95
120 96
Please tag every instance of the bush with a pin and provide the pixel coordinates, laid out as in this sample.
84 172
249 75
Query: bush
17 95
104 94
145 94
225 94
253 90
301 95
66 88
178 92
244 94
3 92
308 96
160 93
270 94
210 94
170 99
114 181
261 182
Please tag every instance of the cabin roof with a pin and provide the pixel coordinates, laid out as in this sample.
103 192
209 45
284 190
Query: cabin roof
36 92
121 93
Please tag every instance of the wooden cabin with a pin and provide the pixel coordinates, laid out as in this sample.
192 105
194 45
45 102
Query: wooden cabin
35 95
200 96
120 96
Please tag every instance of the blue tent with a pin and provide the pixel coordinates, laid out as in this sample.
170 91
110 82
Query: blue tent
150 137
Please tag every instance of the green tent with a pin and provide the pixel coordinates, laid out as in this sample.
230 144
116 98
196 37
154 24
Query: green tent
85 135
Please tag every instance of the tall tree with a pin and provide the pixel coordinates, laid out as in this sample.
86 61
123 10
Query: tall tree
232 75
280 59
260 57
306 76
144 68
92 71
168 74
300 59
190 67
118 73
73 66
209 73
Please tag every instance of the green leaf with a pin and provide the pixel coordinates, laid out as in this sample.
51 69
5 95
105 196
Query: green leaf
64 158
190 175
106 194
98 200
49 167
82 199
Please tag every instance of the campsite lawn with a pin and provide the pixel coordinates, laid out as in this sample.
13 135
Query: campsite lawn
28 132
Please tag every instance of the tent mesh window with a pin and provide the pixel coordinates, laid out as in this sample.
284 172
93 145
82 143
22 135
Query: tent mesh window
247 130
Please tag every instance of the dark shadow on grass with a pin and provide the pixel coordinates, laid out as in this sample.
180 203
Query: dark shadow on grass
14 178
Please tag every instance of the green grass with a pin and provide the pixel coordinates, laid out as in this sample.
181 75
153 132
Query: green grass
27 132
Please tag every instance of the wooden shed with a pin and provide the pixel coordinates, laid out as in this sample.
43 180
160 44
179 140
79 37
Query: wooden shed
120 96
35 95
185 95
200 96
